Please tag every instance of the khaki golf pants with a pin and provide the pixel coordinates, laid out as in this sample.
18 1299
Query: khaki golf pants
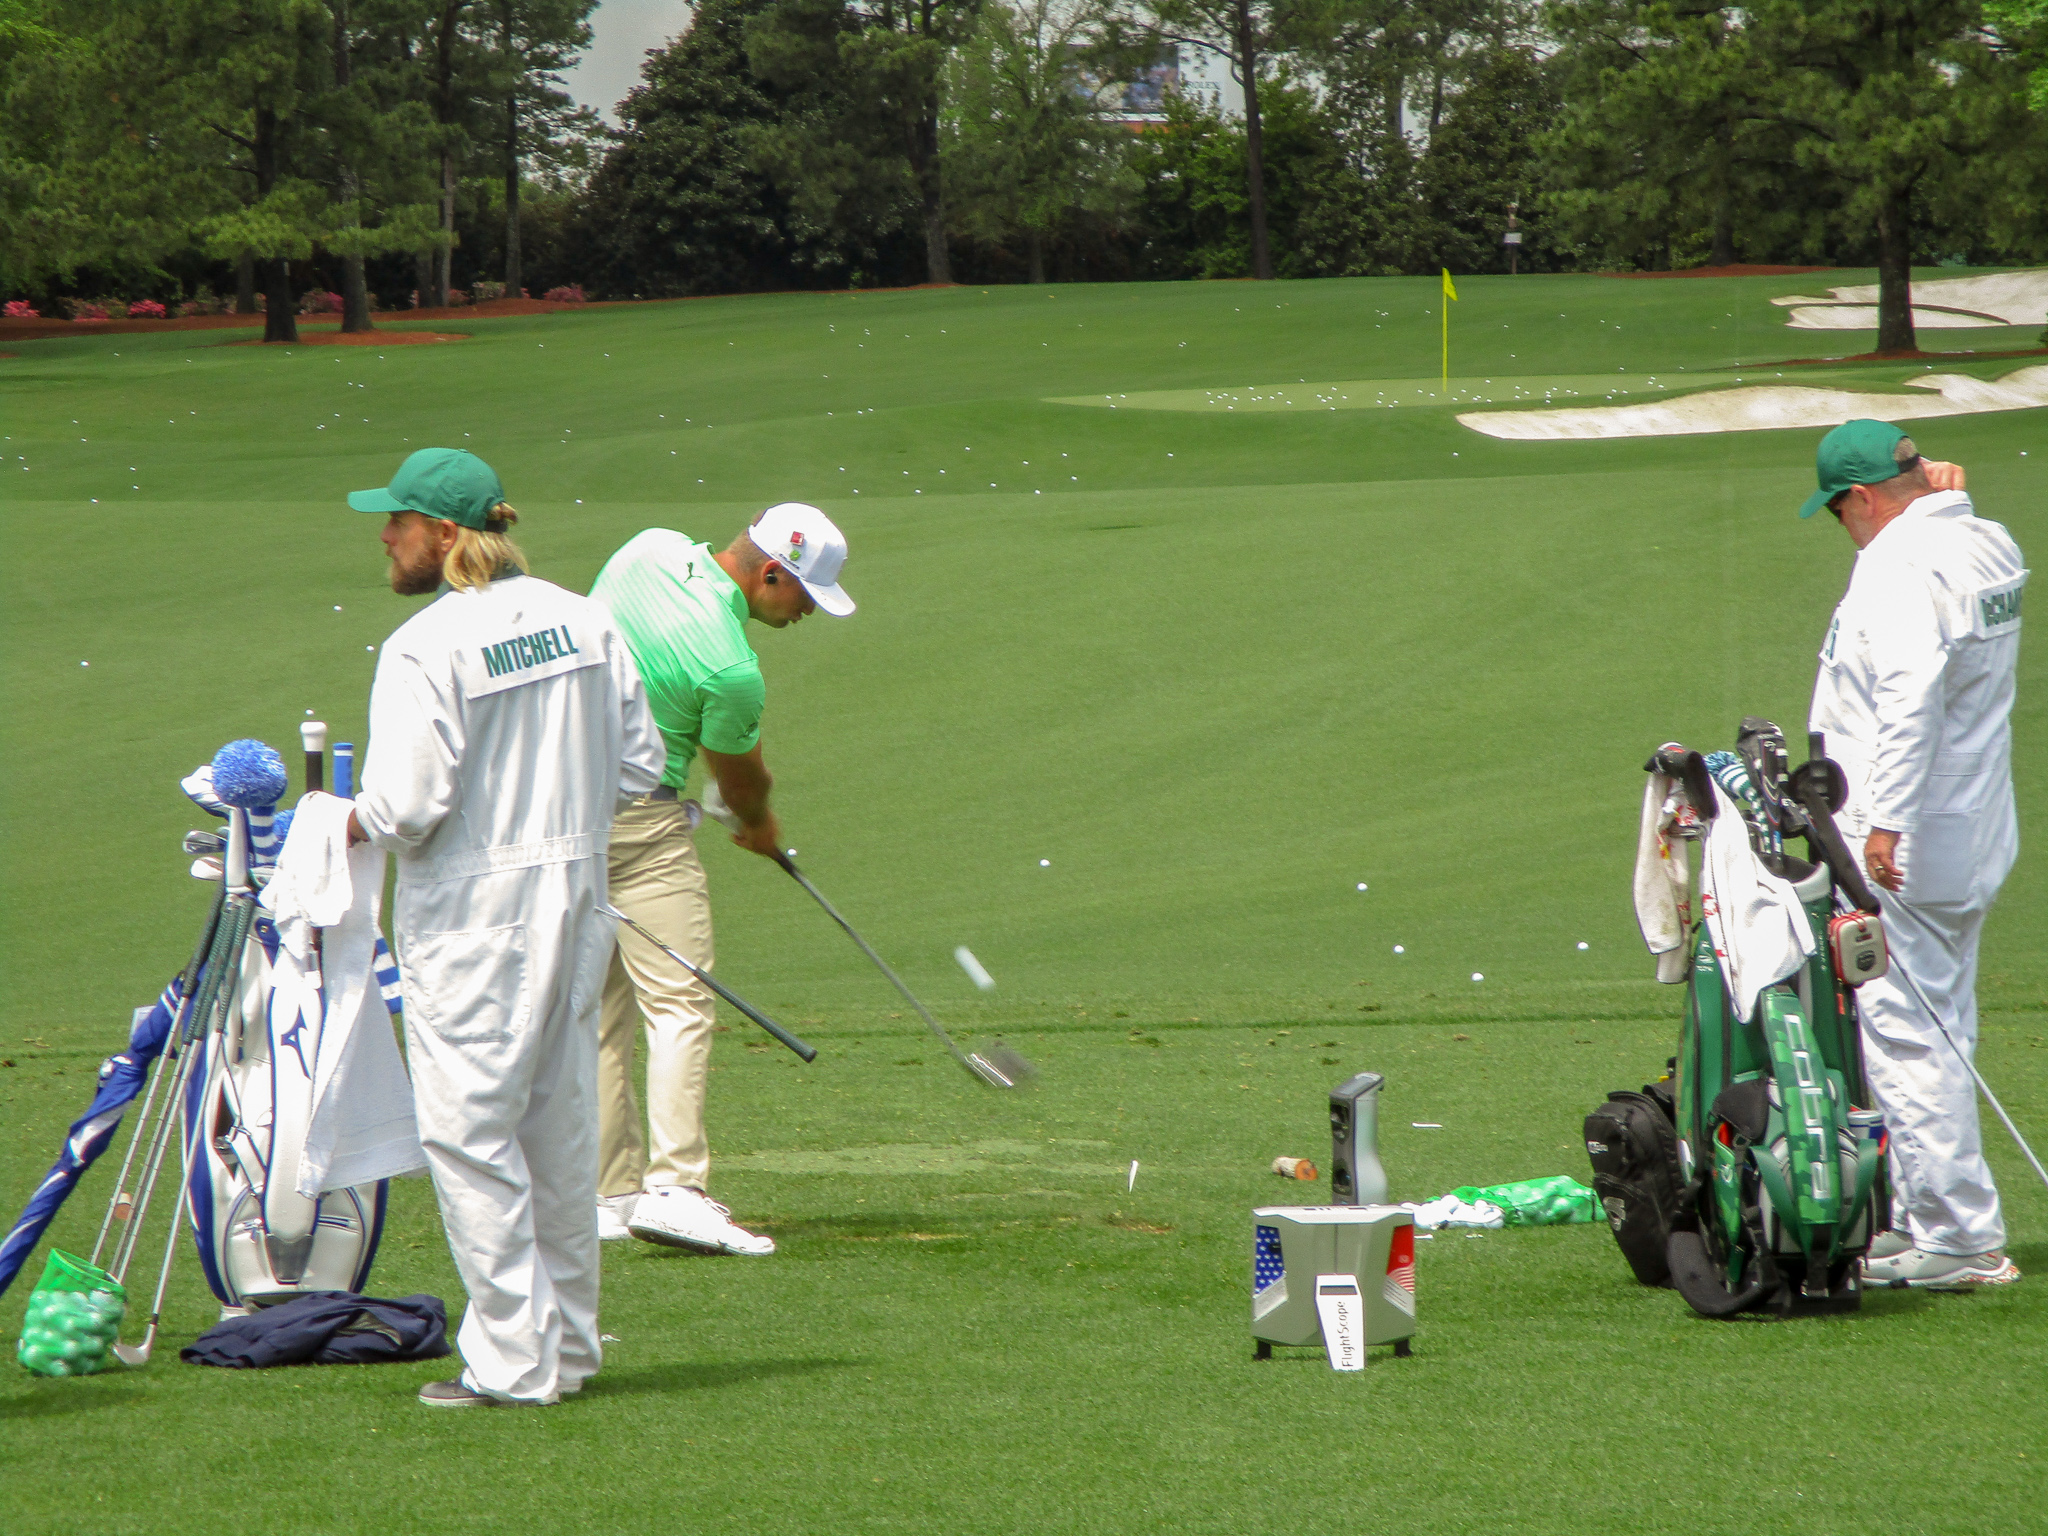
657 881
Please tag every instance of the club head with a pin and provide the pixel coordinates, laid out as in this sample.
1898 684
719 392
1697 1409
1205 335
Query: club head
136 1354
1001 1067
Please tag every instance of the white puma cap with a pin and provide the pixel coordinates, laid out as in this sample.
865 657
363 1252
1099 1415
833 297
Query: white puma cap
805 540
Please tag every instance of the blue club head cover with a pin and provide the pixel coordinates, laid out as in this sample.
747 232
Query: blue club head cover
248 774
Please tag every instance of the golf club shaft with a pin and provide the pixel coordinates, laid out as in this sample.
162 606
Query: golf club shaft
188 986
806 1052
880 964
1982 1086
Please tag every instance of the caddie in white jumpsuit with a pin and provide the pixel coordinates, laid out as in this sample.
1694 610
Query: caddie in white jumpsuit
507 724
1915 696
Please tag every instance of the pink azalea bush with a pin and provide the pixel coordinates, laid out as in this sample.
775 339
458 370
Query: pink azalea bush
146 309
571 293
482 293
85 311
21 309
317 302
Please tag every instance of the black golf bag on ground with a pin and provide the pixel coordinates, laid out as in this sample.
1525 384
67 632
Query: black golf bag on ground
1637 1174
1780 1174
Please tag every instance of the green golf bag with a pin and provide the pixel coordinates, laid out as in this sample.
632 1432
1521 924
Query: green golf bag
1784 1175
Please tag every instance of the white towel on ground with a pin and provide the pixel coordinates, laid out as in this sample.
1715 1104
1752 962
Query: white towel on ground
362 1127
1754 918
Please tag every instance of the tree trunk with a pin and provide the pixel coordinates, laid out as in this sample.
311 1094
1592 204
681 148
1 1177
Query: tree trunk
279 322
1724 200
938 256
514 276
445 258
422 279
1034 249
355 292
1254 143
245 284
1895 274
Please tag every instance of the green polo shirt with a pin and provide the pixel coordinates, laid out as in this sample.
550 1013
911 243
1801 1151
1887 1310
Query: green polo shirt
686 624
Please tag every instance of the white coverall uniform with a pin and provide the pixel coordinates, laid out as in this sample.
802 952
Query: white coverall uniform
1915 694
507 725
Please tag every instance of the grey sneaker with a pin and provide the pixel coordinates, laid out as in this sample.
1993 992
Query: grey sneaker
453 1394
1886 1244
1919 1270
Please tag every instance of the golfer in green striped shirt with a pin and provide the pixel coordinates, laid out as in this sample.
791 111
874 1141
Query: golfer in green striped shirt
683 609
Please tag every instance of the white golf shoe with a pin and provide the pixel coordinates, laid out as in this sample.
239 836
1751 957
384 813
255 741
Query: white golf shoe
1923 1271
611 1217
1886 1244
678 1217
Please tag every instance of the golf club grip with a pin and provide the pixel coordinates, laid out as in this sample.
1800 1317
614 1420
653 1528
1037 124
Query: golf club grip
805 1052
1833 848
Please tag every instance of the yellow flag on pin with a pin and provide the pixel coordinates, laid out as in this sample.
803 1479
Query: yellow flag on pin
1451 293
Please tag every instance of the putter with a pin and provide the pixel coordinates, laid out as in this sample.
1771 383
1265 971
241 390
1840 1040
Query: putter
1008 1070
805 1052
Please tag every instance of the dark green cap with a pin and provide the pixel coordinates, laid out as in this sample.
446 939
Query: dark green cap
449 483
1861 452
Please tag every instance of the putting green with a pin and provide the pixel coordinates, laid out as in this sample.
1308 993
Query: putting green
1183 727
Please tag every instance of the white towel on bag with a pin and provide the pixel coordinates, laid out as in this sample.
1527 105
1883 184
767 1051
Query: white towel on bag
1755 919
362 1127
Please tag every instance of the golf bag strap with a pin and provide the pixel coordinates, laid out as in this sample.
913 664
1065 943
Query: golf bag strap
1867 1160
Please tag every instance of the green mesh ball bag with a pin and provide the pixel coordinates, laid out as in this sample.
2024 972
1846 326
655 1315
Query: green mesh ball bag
74 1317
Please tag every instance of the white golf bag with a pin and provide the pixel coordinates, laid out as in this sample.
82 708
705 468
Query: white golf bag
247 1111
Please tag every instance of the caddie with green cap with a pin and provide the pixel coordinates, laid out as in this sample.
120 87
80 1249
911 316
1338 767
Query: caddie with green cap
507 725
1914 700
684 608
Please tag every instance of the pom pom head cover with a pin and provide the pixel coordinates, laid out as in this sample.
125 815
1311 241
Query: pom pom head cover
247 773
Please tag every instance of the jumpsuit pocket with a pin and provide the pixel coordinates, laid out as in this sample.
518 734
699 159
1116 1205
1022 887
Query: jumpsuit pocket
469 987
1940 858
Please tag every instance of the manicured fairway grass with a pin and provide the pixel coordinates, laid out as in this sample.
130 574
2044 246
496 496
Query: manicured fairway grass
1219 669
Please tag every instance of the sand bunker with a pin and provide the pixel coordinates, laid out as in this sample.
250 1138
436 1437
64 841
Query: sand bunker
1763 408
1949 304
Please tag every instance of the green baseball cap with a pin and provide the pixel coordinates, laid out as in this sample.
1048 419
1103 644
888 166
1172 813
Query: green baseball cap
449 483
1860 452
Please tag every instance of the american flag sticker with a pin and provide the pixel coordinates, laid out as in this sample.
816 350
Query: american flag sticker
1399 1286
1268 1267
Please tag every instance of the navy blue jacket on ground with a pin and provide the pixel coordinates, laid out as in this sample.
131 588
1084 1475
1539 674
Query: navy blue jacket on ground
326 1328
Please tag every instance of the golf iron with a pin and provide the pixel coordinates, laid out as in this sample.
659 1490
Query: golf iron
1007 1070
1000 1068
806 1052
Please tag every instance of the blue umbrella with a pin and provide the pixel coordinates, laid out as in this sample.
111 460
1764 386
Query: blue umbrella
120 1080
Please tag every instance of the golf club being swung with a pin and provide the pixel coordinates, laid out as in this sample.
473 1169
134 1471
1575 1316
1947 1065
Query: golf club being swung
1012 1071
806 1052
